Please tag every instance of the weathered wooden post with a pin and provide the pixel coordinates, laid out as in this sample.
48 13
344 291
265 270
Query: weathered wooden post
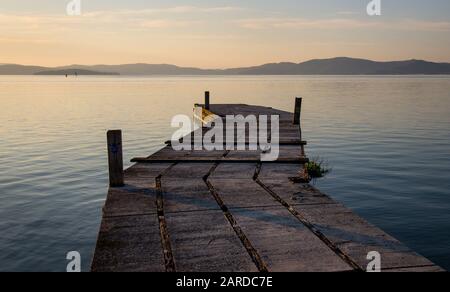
297 120
115 158
298 110
207 105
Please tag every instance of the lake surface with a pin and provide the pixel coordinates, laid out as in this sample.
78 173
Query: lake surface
386 138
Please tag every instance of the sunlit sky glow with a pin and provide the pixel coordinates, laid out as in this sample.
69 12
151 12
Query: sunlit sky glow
218 34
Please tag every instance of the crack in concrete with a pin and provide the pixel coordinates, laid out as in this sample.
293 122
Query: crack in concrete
305 222
257 260
169 260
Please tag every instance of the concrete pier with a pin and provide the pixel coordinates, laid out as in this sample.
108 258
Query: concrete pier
228 211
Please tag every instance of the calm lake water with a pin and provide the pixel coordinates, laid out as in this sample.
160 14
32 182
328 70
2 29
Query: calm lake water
386 138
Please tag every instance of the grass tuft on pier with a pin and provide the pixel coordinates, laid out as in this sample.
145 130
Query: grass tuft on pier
317 168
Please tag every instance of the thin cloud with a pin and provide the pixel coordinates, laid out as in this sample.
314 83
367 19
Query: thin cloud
185 9
165 23
298 23
418 25
61 22
342 24
348 13
128 19
15 40
168 10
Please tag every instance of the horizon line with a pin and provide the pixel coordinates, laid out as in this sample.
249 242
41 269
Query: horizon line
225 68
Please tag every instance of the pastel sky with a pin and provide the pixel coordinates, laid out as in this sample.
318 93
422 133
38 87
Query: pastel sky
218 33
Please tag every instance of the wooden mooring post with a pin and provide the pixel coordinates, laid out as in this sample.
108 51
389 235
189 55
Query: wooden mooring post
298 110
115 158
297 119
207 101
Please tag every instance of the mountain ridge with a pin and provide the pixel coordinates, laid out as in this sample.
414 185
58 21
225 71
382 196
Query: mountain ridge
74 72
332 66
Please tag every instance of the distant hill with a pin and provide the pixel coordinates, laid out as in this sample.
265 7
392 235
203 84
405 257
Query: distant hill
12 69
145 69
74 72
335 66
346 66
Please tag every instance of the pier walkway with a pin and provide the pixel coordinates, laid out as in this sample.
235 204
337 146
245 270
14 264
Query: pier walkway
228 211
